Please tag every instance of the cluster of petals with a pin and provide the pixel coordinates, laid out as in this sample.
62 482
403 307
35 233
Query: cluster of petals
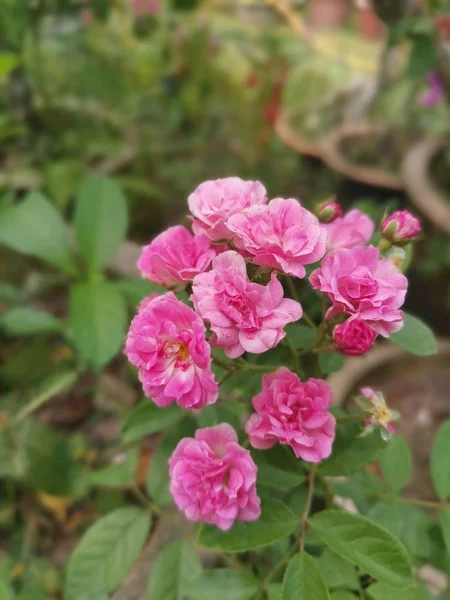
400 227
380 415
213 202
244 316
281 235
354 337
167 343
358 282
213 478
175 256
292 412
353 229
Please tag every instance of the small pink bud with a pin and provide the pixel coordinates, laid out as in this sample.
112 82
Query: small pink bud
354 337
328 211
400 228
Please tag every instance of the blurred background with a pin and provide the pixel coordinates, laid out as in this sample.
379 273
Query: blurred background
122 107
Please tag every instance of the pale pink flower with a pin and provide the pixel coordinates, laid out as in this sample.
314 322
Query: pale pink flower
400 228
213 479
175 256
359 283
282 235
381 415
353 229
167 343
293 412
328 211
354 337
244 316
213 202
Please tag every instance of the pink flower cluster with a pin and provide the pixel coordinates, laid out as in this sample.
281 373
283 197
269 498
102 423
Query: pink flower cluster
213 479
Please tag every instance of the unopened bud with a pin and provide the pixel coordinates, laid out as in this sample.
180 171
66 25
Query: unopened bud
400 228
328 211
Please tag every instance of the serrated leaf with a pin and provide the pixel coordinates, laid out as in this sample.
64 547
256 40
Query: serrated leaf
336 571
28 321
175 570
35 227
98 319
147 418
415 337
106 552
100 221
370 547
223 584
276 521
351 452
303 581
396 463
440 461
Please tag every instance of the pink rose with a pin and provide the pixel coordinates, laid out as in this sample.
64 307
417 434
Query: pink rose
282 235
213 479
353 229
359 283
167 343
354 337
400 228
212 202
328 211
175 256
244 316
293 412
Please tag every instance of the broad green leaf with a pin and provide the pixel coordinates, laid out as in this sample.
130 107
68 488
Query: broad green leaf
330 362
381 591
135 290
28 321
444 522
273 591
342 595
301 336
106 552
275 522
396 463
370 547
303 581
336 571
148 418
5 591
415 337
440 461
223 584
351 452
278 468
100 221
97 595
176 568
35 227
62 179
117 475
98 318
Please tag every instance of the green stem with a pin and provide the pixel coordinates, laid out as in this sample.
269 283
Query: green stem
414 501
246 366
309 321
305 515
357 418
271 574
224 364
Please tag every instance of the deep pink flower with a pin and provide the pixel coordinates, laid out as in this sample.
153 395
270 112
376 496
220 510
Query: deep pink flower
244 316
213 479
354 337
175 256
359 283
328 211
401 227
353 229
293 412
282 235
167 343
212 202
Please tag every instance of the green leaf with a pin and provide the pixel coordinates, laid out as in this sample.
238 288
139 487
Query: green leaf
440 461
278 468
330 362
5 591
342 595
100 221
423 57
135 290
273 591
106 552
8 62
365 544
415 337
35 227
336 571
444 522
301 336
303 581
351 452
396 463
147 418
117 475
62 179
223 584
97 595
176 568
98 318
28 321
381 591
275 522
